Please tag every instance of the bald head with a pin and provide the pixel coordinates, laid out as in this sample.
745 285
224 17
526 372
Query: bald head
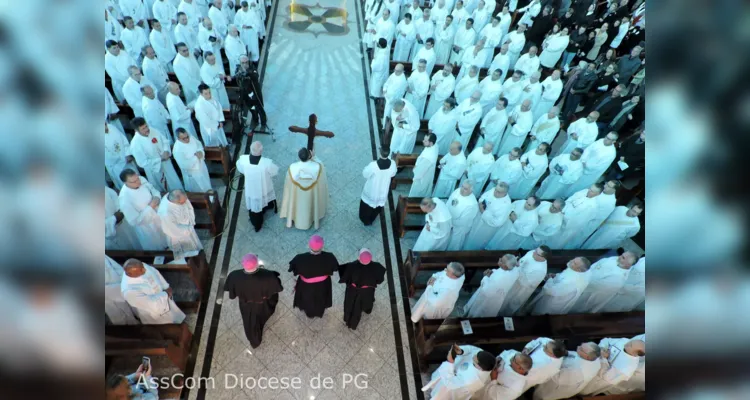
487 147
522 363
466 188
526 105
476 96
636 348
507 262
173 88
593 116
589 351
134 268
399 69
256 148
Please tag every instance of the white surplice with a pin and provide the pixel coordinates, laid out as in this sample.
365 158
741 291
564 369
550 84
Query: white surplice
487 223
632 293
377 184
578 211
463 210
438 299
507 170
512 234
147 151
425 29
163 46
616 228
194 169
620 367
551 90
492 294
424 172
536 167
117 309
575 373
465 87
419 85
530 274
133 95
116 150
509 383
189 74
135 205
187 34
134 40
607 278
209 114
379 71
586 131
405 36
178 224
212 76
544 367
460 379
512 91
492 128
437 236
560 293
443 40
443 125
120 236
394 89
491 89
469 114
545 130
464 38
259 189
478 168
596 160
637 381
405 126
605 204
501 62
250 26
452 169
516 43
515 134
428 55
563 172
180 115
204 41
527 64
156 116
117 69
146 295
156 72
441 87
549 225
219 21
234 48
552 50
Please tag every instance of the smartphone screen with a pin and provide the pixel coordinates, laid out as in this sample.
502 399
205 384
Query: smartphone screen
146 362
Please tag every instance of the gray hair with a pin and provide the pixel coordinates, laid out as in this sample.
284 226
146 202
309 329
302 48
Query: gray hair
175 194
503 186
399 103
132 69
256 148
511 260
144 48
457 268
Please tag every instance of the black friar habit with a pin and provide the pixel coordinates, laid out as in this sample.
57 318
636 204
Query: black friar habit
313 298
361 281
368 214
258 294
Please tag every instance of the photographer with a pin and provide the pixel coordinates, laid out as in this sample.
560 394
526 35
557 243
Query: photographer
251 96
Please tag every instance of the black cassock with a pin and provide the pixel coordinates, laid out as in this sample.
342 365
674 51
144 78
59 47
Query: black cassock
368 214
313 298
258 295
361 281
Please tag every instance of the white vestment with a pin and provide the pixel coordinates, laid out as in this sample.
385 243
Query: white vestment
507 170
135 205
438 14
165 12
491 90
194 169
465 87
441 87
460 379
419 85
553 48
187 34
512 234
424 172
563 172
219 21
527 64
492 128
209 114
384 29
212 76
147 296
134 40
259 189
515 134
120 236
394 89
424 31
110 107
487 223
632 293
530 11
607 278
377 184
116 149
536 167
472 57
373 12
156 116
508 385
147 151
616 228
438 299
478 167
605 204
205 43
429 56
193 13
532 91
415 12
516 42
501 62
189 74
133 95
379 72
234 48
405 36
464 39
117 309
460 15
156 72
443 41
491 34
251 29
549 225
618 368
578 211
637 382
163 46
543 367
451 171
469 114
112 27
586 131
463 210
560 293
530 274
512 91
551 90
443 125
180 115
545 130
405 126
575 373
596 160
178 224
492 294
437 236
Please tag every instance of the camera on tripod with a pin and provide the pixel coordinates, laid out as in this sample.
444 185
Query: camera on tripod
250 99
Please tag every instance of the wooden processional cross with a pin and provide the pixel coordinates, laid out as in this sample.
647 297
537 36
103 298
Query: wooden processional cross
310 131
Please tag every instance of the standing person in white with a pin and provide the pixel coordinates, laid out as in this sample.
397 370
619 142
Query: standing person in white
545 129
516 41
212 74
385 28
581 133
463 40
166 13
469 113
550 223
561 291
547 355
493 125
608 276
513 89
493 290
441 88
139 201
155 71
501 61
375 193
187 34
118 234
553 47
463 207
406 34
633 292
209 114
250 26
528 63
596 160
532 90
452 167
605 204
534 166
508 168
425 29
491 87
473 56
508 379
134 38
192 12
154 112
620 359
494 209
181 116
149 294
234 48
492 33
443 124
444 34
379 69
190 156
426 53
424 168
260 195
637 381
178 223
519 124
622 224
132 89
551 90
440 295
564 170
580 208
394 88
115 307
532 268
211 41
524 218
576 371
218 18
478 166
406 122
436 232
466 86
463 376
117 155
188 72
151 151
373 11
418 86
161 40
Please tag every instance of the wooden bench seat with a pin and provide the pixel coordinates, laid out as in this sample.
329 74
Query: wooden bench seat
171 340
196 266
212 204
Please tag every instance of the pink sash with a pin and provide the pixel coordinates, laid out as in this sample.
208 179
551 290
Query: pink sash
361 287
314 280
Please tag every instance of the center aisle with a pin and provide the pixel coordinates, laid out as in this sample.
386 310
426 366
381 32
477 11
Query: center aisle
314 65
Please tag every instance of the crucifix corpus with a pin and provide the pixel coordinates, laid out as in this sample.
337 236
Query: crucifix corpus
310 131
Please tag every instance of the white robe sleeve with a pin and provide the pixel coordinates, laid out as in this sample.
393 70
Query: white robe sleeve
110 226
370 170
143 160
158 303
173 229
440 228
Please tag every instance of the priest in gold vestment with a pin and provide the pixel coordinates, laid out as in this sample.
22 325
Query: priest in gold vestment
305 192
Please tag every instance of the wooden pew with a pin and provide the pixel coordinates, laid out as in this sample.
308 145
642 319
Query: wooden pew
474 261
434 336
171 340
407 161
626 396
219 155
210 202
196 266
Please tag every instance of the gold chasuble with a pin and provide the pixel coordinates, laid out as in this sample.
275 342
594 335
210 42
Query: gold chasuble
305 195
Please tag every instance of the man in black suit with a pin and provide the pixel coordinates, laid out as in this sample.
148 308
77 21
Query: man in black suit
632 151
608 105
